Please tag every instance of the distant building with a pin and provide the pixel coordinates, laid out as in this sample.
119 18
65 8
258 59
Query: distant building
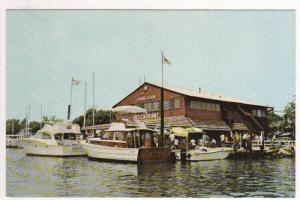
211 112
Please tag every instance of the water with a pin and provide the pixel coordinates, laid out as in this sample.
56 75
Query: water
28 176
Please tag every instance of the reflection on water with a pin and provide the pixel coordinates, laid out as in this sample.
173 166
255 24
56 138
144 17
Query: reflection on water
42 176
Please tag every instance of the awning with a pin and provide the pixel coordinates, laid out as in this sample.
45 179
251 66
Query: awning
174 121
180 132
213 125
194 130
239 126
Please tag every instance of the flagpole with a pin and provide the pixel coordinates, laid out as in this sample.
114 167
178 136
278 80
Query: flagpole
162 101
93 98
69 107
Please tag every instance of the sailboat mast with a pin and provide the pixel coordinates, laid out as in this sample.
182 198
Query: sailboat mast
93 98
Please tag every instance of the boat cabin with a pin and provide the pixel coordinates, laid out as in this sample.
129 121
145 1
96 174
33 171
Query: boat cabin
120 136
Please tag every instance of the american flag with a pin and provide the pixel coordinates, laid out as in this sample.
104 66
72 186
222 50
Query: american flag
75 82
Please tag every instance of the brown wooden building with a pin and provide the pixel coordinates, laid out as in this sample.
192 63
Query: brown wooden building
185 108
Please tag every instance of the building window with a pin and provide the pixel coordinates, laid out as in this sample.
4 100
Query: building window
176 103
259 113
156 106
167 104
205 106
218 108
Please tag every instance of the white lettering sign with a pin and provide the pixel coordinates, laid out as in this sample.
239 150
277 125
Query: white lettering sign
146 116
145 98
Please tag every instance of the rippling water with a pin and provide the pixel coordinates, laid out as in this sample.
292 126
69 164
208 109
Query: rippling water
42 176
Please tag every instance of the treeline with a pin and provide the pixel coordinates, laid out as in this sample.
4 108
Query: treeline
13 126
282 122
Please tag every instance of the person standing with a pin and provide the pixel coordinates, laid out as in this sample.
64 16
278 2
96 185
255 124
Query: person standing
222 138
172 138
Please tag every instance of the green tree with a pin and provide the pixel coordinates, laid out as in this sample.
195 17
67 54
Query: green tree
289 115
101 117
35 126
52 119
275 121
13 126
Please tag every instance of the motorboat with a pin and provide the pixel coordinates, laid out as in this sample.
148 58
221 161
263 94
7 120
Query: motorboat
204 154
196 152
13 140
134 143
55 140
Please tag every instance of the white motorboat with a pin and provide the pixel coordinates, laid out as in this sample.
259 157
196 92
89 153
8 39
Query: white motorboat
55 140
12 141
203 154
119 143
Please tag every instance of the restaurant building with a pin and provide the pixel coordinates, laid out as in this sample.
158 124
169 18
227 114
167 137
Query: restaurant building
211 112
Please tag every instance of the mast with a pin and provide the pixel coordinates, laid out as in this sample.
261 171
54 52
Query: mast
41 125
84 111
69 106
93 98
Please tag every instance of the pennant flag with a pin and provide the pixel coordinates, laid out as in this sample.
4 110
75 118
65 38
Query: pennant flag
166 61
75 82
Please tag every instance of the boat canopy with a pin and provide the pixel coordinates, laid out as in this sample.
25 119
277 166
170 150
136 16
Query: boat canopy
129 109
118 127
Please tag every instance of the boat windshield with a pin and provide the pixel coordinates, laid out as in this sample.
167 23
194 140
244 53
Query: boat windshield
119 136
58 136
45 136
69 136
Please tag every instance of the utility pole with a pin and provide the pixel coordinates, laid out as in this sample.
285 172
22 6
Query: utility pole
162 128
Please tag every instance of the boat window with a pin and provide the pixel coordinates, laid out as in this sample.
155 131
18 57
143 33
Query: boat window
66 136
118 136
147 135
58 136
72 136
69 136
46 136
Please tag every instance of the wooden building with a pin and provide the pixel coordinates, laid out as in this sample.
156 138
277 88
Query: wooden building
186 108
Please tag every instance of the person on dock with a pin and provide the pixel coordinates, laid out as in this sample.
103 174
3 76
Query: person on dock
222 138
244 141
237 140
193 143
172 138
205 139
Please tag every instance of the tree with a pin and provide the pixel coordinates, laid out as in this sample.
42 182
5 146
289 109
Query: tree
13 126
101 117
52 119
289 115
275 121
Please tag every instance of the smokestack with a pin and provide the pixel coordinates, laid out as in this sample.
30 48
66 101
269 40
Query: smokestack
199 90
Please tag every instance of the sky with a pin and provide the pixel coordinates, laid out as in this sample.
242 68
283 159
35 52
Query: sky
245 54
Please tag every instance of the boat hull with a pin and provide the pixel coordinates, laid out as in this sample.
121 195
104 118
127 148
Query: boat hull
41 149
196 155
111 153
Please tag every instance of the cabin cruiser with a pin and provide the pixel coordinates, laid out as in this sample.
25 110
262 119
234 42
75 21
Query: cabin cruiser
134 143
55 140
198 152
